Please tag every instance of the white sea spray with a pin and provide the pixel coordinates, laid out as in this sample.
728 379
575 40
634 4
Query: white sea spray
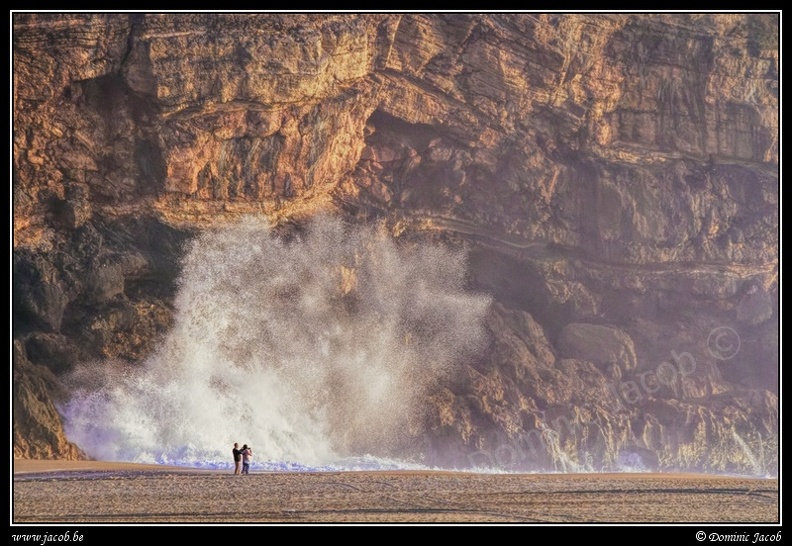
314 350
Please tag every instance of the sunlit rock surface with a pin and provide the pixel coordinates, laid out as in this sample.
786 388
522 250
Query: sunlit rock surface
614 178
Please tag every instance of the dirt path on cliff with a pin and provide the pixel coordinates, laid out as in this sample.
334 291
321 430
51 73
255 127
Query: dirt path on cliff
541 250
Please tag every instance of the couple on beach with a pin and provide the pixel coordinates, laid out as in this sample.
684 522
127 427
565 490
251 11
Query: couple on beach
242 456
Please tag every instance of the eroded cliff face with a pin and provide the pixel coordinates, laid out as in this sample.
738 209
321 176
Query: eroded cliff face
614 177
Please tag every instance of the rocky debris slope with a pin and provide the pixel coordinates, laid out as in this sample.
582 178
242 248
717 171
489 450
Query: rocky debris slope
615 177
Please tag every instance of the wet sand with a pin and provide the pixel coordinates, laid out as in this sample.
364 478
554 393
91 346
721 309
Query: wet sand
100 492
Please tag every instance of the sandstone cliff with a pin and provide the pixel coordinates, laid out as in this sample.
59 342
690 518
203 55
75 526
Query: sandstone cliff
615 177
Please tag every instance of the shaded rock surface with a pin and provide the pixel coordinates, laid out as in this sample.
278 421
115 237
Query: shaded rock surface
615 177
602 345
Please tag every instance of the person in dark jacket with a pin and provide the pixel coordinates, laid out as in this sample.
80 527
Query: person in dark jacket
237 458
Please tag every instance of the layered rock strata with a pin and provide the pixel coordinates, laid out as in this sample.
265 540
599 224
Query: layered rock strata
614 176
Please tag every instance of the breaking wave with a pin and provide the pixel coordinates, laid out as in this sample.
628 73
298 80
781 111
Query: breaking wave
314 350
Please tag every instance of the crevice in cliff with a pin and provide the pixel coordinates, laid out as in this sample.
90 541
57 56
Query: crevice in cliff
440 96
135 20
415 135
386 33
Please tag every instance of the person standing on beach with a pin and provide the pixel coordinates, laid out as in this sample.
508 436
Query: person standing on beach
247 453
237 458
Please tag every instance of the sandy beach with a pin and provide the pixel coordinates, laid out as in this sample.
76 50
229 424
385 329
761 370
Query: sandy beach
102 492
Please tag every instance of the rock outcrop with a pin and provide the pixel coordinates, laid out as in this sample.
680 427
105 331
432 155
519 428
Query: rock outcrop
615 177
